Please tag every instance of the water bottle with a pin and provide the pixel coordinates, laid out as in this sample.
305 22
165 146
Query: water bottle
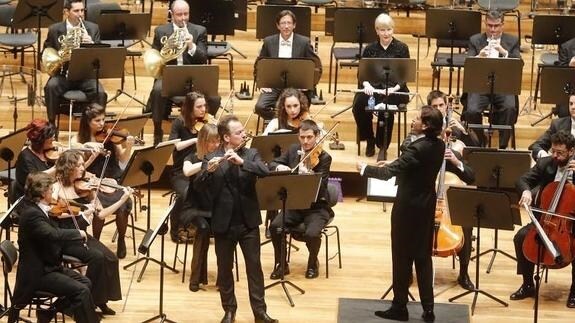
371 103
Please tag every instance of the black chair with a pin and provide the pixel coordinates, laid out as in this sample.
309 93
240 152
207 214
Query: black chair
15 41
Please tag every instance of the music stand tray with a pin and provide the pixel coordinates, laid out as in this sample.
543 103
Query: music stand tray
134 124
381 191
124 26
373 70
10 147
280 73
493 75
273 146
97 63
554 82
180 80
266 20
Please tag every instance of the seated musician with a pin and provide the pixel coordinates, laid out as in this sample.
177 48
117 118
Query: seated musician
493 43
438 100
286 44
317 216
197 206
566 58
386 46
547 170
540 148
103 268
92 133
186 127
40 243
196 52
58 83
293 107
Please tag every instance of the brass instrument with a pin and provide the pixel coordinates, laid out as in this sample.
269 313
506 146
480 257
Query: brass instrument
172 47
52 59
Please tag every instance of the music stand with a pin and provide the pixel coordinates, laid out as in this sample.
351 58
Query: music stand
266 20
281 73
384 71
354 25
10 147
497 170
470 207
6 218
287 192
145 167
144 248
556 85
89 63
134 124
273 146
180 80
489 76
453 25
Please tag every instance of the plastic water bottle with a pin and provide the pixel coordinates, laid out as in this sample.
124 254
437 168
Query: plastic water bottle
371 103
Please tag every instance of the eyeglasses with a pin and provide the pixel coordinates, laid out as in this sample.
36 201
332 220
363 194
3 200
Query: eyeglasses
559 152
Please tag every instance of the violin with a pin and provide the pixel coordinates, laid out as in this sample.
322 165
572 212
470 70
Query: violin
311 158
200 122
295 123
53 152
62 206
115 135
85 186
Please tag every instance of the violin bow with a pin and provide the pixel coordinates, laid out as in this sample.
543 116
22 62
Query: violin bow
119 117
225 106
317 144
324 106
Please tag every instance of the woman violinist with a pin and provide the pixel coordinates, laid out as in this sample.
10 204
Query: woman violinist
293 107
198 204
103 270
92 126
546 171
186 127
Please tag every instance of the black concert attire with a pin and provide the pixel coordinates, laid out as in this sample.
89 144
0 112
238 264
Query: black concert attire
179 181
363 118
40 242
197 211
27 163
543 143
566 53
504 105
413 216
235 220
315 218
58 84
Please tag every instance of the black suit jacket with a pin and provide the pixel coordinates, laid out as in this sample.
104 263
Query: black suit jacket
40 241
291 158
413 213
509 42
544 142
200 39
538 176
222 186
566 52
301 48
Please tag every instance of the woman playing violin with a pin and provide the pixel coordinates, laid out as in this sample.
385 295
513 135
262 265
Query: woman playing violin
186 127
197 206
293 107
91 124
103 270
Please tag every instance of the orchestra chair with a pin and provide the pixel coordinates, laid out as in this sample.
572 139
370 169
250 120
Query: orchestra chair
319 3
72 100
222 50
15 41
42 301
297 233
507 7
547 59
339 53
441 60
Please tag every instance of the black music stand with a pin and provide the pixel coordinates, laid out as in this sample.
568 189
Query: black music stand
482 209
144 248
489 76
287 192
384 71
10 147
134 124
180 80
266 20
89 63
452 25
6 219
556 85
273 146
145 167
497 170
281 73
122 26
355 25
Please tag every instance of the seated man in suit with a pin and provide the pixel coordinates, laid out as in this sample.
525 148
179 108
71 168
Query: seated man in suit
493 43
58 83
195 53
566 58
540 148
317 216
286 44
40 266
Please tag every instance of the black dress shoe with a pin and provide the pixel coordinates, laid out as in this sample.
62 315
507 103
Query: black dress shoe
464 281
312 272
523 292
277 273
264 318
394 313
45 315
106 310
571 299
121 251
194 287
428 316
370 149
229 317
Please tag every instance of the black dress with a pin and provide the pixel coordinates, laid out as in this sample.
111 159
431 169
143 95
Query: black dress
27 163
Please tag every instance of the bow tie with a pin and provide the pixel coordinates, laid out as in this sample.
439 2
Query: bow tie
285 43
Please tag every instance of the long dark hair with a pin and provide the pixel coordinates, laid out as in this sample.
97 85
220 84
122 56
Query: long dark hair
282 114
92 111
188 108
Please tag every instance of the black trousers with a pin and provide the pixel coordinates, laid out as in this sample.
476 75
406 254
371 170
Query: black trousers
363 119
314 219
504 113
57 85
402 264
201 245
180 185
465 253
249 241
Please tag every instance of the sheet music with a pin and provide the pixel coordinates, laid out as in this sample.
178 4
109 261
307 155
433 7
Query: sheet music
378 189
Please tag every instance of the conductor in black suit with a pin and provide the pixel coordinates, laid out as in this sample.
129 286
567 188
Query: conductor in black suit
229 174
493 43
58 84
413 214
566 58
40 265
319 213
286 44
540 148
